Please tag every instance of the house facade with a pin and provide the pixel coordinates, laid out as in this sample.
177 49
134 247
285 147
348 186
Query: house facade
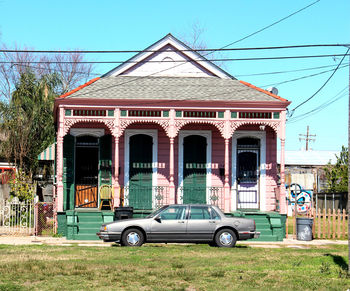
167 126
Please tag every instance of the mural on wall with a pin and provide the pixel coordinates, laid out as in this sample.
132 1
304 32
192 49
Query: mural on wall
303 197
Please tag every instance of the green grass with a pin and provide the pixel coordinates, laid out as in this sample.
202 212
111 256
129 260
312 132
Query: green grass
172 267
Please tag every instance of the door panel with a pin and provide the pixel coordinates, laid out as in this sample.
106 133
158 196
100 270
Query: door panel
195 172
140 171
68 172
172 226
200 225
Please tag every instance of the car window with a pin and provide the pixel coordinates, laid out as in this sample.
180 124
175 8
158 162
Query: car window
214 214
174 213
199 212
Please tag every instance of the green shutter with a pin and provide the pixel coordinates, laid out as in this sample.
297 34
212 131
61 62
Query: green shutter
68 172
105 163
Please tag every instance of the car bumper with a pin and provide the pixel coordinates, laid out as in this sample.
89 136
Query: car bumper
109 237
249 235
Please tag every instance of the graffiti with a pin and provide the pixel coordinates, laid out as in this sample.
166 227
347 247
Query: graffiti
302 196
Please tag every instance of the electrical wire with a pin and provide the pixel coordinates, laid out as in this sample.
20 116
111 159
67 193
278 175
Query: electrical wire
184 50
284 72
324 105
325 83
175 61
303 77
270 25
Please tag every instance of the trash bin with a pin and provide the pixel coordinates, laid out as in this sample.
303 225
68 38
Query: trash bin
304 228
123 212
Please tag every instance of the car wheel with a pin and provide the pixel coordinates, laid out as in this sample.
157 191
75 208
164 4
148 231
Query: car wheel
225 238
132 238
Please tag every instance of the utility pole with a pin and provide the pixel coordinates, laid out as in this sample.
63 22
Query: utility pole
349 177
307 137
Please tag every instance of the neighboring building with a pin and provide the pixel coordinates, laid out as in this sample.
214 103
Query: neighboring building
166 126
304 175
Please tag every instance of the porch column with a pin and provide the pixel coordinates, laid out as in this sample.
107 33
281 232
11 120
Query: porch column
59 173
59 160
227 179
282 198
116 185
172 198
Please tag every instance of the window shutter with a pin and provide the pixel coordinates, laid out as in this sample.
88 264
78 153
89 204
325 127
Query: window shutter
105 163
68 172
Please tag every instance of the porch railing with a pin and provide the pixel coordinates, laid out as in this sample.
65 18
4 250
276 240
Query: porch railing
145 197
202 195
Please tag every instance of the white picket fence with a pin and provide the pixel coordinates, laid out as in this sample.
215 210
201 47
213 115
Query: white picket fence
17 217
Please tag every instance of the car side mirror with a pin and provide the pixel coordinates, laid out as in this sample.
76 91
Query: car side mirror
158 219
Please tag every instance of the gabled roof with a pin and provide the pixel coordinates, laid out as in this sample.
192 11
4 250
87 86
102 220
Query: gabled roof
147 76
168 88
178 50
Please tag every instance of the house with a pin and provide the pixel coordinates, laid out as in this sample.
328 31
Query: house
166 126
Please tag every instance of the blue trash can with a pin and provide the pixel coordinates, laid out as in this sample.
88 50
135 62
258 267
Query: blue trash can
304 228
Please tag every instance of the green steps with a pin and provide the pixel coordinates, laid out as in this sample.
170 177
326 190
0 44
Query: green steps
83 225
271 225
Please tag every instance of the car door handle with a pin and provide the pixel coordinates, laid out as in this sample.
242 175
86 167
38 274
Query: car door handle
212 221
181 221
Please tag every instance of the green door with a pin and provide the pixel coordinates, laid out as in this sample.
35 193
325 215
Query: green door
194 173
140 171
105 161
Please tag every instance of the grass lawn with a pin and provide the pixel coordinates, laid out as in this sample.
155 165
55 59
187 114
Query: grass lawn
172 267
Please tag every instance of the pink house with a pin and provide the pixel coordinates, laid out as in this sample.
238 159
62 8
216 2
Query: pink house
166 126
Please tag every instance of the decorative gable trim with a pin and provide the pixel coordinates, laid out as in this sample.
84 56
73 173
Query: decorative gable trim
169 40
79 88
263 91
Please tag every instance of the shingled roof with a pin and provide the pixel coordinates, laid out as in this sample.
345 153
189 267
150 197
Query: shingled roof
171 88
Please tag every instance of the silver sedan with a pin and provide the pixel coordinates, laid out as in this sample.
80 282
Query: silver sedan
181 224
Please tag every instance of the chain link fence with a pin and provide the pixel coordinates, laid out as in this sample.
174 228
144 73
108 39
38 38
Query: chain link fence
45 219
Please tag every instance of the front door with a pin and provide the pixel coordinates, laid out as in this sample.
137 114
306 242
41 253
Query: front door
140 172
194 169
248 179
86 172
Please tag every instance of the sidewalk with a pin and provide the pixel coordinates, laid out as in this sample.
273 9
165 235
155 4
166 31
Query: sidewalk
62 241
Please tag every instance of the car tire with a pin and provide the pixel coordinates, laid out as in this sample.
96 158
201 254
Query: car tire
225 238
132 237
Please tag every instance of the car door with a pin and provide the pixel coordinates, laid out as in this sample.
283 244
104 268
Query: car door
169 225
202 223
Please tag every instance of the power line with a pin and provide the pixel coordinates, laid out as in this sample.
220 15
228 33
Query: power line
270 25
175 61
184 50
325 83
304 77
342 93
283 72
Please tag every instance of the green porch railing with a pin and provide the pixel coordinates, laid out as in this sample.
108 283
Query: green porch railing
145 197
202 195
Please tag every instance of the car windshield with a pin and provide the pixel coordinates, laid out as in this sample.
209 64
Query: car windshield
153 214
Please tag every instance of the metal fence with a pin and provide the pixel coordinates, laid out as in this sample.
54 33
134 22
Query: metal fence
330 201
17 217
27 218
45 223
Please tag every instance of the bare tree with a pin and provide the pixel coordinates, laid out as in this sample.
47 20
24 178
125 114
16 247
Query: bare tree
194 39
67 66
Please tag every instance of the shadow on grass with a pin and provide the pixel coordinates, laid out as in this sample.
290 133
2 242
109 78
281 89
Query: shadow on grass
162 245
338 260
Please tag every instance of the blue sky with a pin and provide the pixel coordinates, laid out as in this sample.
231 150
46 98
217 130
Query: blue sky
128 25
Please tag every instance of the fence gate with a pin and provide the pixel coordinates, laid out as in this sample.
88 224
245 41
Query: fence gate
16 217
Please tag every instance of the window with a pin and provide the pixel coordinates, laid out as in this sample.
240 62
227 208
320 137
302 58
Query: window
214 214
174 213
200 212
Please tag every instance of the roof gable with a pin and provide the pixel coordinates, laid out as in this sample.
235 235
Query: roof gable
169 57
